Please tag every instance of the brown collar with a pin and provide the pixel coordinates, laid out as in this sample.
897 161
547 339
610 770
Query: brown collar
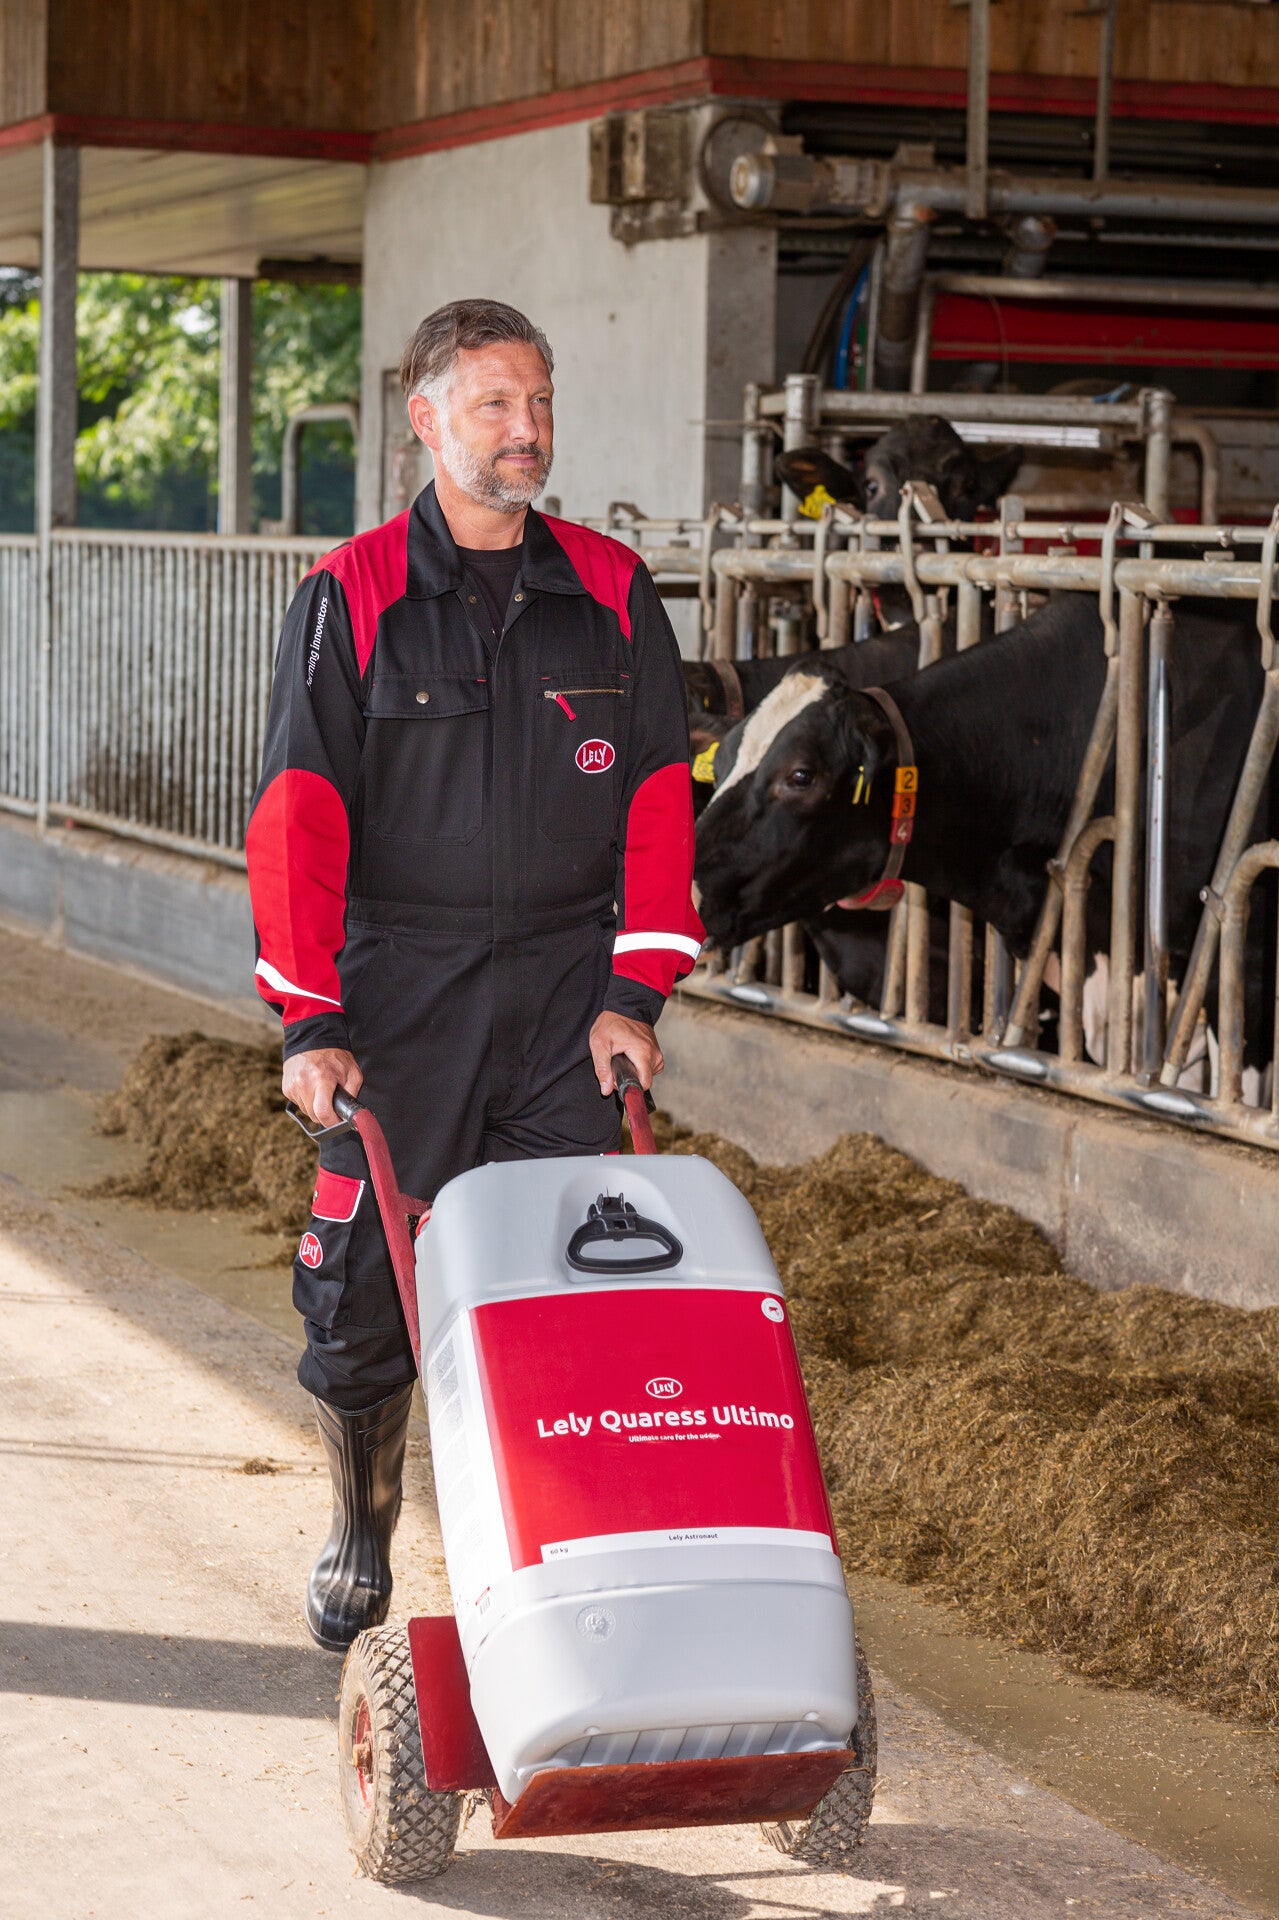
889 887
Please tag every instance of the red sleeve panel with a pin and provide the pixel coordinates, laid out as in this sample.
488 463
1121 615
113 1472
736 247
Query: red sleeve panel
298 842
662 936
297 847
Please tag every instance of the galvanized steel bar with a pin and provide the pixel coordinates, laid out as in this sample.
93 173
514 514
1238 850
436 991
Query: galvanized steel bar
1123 890
1155 982
1234 931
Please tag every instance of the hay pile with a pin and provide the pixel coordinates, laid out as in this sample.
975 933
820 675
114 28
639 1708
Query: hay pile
1095 1475
210 1117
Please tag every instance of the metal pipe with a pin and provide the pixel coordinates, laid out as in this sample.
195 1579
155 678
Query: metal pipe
1075 880
959 952
876 188
290 458
1230 998
1096 757
999 409
922 351
1032 239
978 116
1252 778
905 262
724 638
799 425
1159 404
1190 433
753 438
1094 289
1157 807
1105 91
1123 895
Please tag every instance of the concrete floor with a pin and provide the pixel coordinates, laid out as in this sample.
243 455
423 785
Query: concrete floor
171 1727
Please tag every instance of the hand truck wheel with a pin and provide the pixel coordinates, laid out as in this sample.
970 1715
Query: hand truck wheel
828 1836
398 1829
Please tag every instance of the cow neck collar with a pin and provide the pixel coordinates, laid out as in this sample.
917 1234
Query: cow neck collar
888 889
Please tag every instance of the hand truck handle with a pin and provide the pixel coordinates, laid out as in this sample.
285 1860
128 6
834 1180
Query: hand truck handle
637 1103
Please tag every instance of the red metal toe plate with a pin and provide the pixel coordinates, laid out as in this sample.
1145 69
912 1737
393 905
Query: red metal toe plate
452 1744
669 1793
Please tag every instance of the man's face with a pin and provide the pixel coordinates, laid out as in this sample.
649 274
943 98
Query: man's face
492 434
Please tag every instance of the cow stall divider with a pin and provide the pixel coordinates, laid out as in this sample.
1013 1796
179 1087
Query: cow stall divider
832 567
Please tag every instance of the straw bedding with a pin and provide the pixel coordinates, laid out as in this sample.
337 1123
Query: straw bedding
1095 1475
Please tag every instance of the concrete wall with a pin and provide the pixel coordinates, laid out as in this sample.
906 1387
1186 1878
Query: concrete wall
650 341
1126 1200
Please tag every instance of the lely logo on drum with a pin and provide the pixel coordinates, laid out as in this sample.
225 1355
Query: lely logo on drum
663 1387
595 756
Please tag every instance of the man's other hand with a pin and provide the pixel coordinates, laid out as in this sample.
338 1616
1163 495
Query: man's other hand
614 1033
310 1080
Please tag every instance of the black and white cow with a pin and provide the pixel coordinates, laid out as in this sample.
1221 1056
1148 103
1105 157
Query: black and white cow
967 479
801 814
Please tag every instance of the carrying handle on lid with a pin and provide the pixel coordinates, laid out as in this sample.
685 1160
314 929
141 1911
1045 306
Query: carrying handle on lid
613 1219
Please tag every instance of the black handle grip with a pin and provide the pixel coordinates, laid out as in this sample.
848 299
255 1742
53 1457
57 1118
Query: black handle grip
611 1218
626 1077
345 1105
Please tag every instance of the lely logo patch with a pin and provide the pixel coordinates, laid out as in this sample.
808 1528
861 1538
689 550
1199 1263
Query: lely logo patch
664 1387
595 756
310 1253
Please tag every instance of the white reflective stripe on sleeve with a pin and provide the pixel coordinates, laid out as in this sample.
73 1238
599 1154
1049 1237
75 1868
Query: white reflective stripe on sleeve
274 978
668 942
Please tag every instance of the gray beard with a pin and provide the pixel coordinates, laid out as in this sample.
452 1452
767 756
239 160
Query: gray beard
479 479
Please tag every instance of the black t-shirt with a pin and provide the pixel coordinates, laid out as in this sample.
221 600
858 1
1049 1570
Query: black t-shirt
490 574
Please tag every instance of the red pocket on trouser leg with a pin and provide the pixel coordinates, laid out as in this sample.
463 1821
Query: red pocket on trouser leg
320 1266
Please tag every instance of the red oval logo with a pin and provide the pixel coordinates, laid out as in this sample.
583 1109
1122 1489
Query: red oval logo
595 756
310 1253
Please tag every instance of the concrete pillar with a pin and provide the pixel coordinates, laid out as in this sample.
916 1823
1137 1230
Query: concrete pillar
56 396
235 426
740 345
56 405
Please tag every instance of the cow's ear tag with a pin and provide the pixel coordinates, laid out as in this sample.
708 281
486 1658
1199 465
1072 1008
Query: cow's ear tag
815 503
704 765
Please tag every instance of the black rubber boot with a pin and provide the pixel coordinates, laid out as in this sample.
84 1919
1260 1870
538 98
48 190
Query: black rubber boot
350 1584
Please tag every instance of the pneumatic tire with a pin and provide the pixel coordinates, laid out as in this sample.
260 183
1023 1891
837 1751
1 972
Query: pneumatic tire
398 1829
831 1833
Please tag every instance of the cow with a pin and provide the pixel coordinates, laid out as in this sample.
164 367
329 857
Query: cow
966 480
802 812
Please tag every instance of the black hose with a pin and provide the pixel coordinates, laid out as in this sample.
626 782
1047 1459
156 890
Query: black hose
820 340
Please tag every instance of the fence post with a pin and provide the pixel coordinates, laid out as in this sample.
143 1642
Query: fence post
56 393
1123 898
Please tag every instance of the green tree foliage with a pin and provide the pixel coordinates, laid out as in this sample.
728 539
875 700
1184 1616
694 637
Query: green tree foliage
148 353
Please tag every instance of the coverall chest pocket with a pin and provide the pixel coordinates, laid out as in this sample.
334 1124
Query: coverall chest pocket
581 738
425 754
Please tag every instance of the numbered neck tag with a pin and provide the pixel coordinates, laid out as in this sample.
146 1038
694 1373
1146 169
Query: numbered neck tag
905 795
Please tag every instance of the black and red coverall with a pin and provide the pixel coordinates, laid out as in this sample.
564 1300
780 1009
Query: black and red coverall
461 850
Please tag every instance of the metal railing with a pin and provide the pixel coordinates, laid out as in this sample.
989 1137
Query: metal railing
825 577
145 714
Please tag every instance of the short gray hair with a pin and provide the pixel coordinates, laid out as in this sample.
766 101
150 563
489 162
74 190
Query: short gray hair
461 327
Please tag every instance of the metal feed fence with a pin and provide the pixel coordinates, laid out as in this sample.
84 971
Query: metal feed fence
825 580
144 712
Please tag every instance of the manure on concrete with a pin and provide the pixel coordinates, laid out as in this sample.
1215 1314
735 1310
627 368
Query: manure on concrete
1094 1475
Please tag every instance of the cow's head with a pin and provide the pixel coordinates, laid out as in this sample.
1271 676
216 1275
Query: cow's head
964 477
815 477
801 811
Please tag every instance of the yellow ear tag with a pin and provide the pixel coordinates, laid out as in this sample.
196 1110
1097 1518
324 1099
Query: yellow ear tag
815 505
704 765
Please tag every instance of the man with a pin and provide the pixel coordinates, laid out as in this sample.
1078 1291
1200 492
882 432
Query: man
470 859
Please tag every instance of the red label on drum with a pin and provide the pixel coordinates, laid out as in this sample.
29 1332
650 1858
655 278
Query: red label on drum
582 1451
310 1253
595 756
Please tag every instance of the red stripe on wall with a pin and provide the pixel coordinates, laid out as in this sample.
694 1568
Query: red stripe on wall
965 328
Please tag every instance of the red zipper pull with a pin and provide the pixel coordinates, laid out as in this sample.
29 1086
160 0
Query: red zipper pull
561 701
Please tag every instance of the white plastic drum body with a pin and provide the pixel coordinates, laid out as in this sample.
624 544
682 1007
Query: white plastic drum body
638 1540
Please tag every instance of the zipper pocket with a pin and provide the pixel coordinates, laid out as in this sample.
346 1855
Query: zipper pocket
561 697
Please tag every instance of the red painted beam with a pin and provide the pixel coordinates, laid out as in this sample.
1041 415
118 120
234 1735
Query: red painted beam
1081 334
707 77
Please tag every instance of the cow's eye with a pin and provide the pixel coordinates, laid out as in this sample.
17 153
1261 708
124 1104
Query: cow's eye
872 489
800 777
